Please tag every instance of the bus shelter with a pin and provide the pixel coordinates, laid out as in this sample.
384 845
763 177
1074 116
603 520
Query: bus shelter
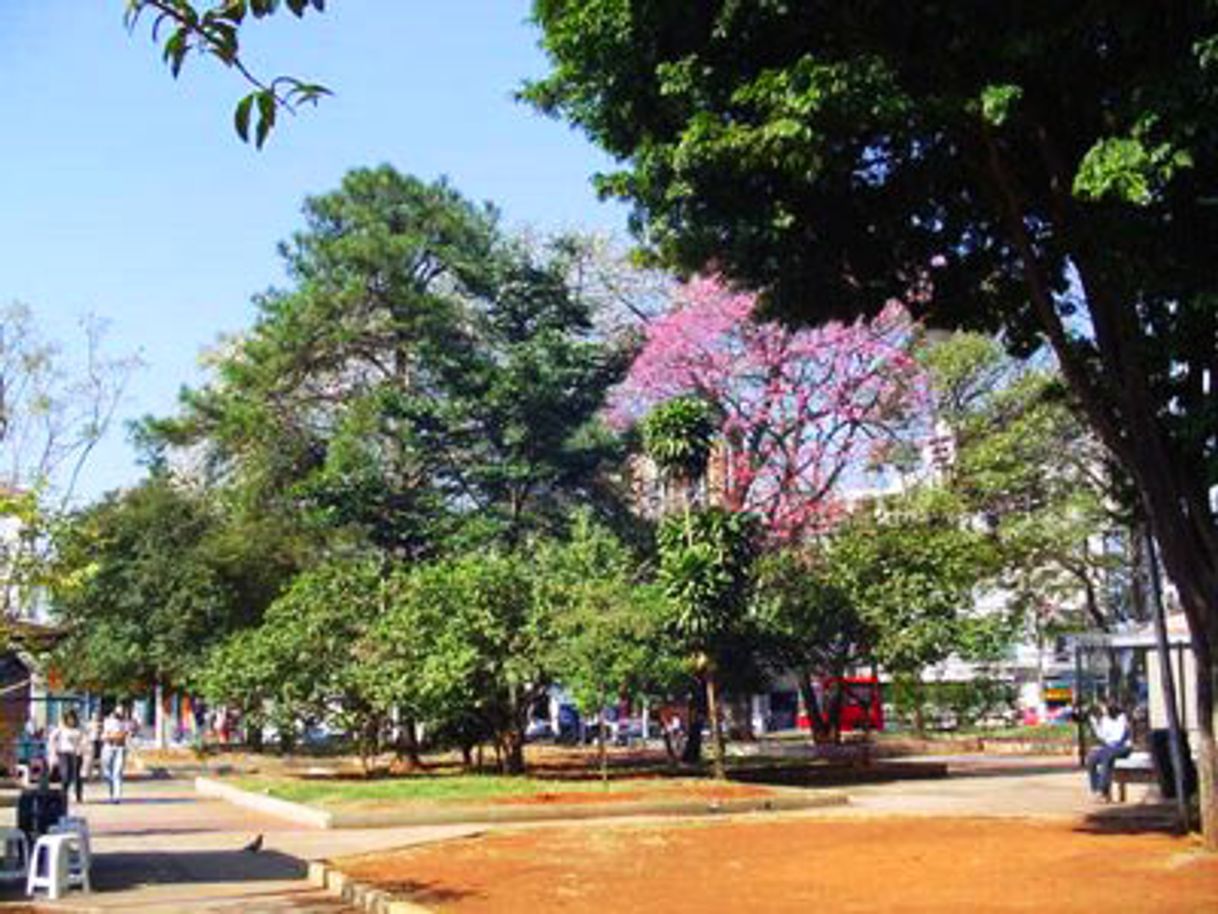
1125 668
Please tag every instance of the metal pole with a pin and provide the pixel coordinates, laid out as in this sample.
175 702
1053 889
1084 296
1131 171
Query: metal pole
1181 680
1168 682
1078 705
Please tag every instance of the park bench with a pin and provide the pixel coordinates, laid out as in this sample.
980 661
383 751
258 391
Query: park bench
1135 768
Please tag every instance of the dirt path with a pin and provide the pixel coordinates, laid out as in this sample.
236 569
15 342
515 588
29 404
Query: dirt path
900 864
1003 836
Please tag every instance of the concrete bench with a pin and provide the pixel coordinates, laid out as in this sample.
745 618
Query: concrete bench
1135 768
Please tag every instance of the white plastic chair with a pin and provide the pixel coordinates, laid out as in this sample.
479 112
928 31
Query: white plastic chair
57 864
77 825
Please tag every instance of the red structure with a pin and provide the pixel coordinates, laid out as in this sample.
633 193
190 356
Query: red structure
862 706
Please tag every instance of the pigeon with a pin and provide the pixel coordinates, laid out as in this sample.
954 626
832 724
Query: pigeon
254 846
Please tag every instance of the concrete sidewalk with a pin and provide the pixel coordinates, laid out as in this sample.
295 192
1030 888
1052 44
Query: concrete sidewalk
166 849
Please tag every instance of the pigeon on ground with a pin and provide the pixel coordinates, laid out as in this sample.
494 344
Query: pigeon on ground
254 846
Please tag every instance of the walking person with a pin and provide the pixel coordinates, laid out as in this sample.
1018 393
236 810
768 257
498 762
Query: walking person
67 742
115 732
1112 730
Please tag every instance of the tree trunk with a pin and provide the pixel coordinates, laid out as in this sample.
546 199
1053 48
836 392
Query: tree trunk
601 749
408 744
836 698
718 766
1122 409
513 751
369 742
817 723
692 753
159 698
670 748
1207 687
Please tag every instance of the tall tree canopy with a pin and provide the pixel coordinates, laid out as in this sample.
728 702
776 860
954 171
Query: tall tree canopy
1025 462
423 369
1044 171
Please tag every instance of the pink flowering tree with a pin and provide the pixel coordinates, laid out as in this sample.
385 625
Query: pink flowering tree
798 410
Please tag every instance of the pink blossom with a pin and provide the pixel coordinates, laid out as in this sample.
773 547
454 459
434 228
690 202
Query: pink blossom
798 409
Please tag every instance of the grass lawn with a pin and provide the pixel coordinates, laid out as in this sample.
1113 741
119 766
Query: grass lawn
474 788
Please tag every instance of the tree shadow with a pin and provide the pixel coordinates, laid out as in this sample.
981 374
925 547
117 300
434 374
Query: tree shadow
1010 770
117 871
839 774
1149 817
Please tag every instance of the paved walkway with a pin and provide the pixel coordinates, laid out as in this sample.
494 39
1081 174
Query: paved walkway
166 849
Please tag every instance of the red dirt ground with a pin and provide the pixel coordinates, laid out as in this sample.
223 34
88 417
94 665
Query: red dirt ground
894 864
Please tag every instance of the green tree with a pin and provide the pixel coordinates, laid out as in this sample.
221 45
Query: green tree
912 567
466 642
146 581
304 663
1025 462
1039 171
678 436
812 627
423 372
608 642
706 572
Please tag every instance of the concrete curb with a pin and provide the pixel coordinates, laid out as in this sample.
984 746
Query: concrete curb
779 800
293 812
358 894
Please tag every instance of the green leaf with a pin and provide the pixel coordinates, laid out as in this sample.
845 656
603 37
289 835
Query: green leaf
1116 168
241 117
266 116
998 102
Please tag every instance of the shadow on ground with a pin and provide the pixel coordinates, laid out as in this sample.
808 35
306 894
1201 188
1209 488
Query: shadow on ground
839 775
1132 819
115 872
1007 770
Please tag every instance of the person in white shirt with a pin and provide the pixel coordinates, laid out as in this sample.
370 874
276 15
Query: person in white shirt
115 731
1116 741
66 743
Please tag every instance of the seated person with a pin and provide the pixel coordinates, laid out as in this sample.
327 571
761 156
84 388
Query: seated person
1113 732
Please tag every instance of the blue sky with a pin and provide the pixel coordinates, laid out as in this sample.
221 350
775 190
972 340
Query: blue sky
127 195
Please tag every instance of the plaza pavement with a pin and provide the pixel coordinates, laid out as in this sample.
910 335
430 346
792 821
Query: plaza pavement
167 849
